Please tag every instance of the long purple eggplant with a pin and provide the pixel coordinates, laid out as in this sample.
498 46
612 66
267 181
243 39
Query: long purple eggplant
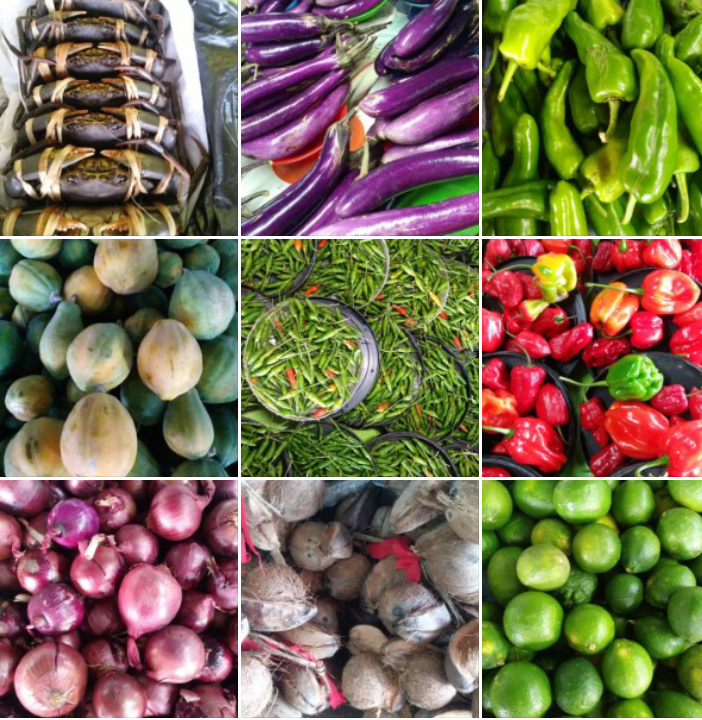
347 10
464 138
304 6
423 27
431 220
273 6
286 211
380 61
386 181
282 26
330 3
267 120
326 212
286 53
403 96
299 133
433 117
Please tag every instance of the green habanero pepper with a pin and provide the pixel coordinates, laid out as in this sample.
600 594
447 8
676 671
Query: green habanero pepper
588 116
529 200
642 25
650 158
602 14
504 114
610 74
606 218
687 88
686 163
527 34
688 44
683 8
567 211
562 151
490 175
525 167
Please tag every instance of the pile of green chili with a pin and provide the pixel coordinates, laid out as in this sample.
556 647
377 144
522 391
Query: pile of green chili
276 267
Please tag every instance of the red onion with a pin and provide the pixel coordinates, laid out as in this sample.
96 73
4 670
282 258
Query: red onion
218 661
206 701
83 488
221 528
9 659
55 609
196 611
24 497
233 635
157 485
96 572
136 487
102 655
160 697
50 680
174 654
34 530
149 598
227 490
72 638
36 569
188 563
10 537
223 585
12 620
103 618
116 507
176 511
118 695
8 576
72 521
137 544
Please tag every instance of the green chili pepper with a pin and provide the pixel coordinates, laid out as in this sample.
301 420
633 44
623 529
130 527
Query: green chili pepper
683 8
325 450
567 211
688 92
687 163
495 14
658 215
606 218
688 44
642 25
262 451
275 267
527 82
505 114
527 200
695 189
490 175
602 14
465 459
408 456
588 116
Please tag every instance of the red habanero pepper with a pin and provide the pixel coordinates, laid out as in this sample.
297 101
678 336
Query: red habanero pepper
676 420
497 250
551 405
581 252
556 245
492 330
524 384
498 409
515 321
635 428
552 321
500 448
592 414
495 472
694 399
605 351
531 309
695 259
612 309
506 287
530 343
534 442
685 264
495 375
662 252
602 262
687 342
680 448
567 345
527 247
628 255
671 400
646 330
693 315
531 290
607 461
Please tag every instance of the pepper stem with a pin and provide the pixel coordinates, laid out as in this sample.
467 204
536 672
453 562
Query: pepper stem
507 432
629 209
494 56
663 460
632 291
683 196
568 381
509 74
511 267
613 117
551 72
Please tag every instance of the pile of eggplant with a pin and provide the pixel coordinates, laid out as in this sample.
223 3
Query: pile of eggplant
425 127
99 148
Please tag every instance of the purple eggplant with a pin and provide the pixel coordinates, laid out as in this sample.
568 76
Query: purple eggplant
281 26
383 183
423 27
299 133
464 138
264 122
431 220
433 117
380 61
304 6
326 212
286 211
403 96
273 6
286 53
347 10
330 3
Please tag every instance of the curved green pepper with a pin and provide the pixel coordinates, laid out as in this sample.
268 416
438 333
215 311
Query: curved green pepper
528 200
562 151
688 92
658 215
695 189
504 114
683 8
649 162
567 211
527 82
606 218
642 25
602 14
588 117
490 175
495 14
688 44
686 163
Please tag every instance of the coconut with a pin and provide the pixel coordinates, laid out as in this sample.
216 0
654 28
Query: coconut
368 684
258 681
268 530
366 639
318 641
417 505
453 564
411 611
382 576
314 581
293 500
274 599
317 546
281 709
328 612
463 510
424 681
380 525
462 662
303 688
344 578
356 512
396 652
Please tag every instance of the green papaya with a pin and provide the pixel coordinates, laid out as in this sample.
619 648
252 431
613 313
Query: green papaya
62 329
202 257
7 304
145 406
152 297
203 303
139 324
22 316
219 382
9 257
170 268
11 347
180 243
226 443
35 329
200 468
145 464
228 251
37 248
36 285
187 426
76 252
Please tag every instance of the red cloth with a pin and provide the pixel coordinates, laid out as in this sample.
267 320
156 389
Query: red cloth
406 559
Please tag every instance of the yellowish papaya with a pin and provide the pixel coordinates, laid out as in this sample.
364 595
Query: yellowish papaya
91 295
35 450
100 357
30 397
126 266
62 329
187 426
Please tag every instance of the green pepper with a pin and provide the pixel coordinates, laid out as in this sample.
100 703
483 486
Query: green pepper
567 211
588 116
688 44
687 163
525 167
527 200
527 82
695 189
602 14
688 92
650 158
490 175
556 275
610 74
504 114
527 33
634 377
560 146
683 8
658 215
606 218
495 14
642 25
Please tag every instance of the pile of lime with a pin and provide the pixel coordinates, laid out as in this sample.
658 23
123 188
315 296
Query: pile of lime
592 605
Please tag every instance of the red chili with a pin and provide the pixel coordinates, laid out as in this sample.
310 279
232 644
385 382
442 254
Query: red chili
498 409
687 342
552 321
527 247
605 351
671 400
534 442
693 315
607 461
530 343
515 320
681 446
628 255
676 420
311 290
506 287
646 330
290 372
531 290
497 250
663 253
592 414
695 403
602 262
551 405
581 253
298 244
495 375
567 345
667 292
492 330
635 428
495 472
524 384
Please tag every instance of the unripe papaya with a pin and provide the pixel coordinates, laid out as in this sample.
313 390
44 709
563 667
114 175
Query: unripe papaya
62 329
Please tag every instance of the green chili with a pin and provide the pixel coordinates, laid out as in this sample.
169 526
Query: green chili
408 455
275 267
325 450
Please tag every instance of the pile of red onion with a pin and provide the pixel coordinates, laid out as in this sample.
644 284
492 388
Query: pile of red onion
118 598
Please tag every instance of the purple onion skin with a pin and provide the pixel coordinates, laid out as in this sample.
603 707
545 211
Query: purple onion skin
221 528
12 619
36 569
137 544
160 697
71 521
55 609
218 661
196 612
226 490
116 508
223 585
24 497
8 576
83 488
188 563
206 701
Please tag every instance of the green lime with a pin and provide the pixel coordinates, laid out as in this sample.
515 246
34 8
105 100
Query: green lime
636 708
633 503
535 497
577 686
663 502
582 501
624 593
491 612
680 532
689 670
543 567
517 530
670 704
596 548
497 504
685 613
578 589
589 629
656 635
627 669
490 544
641 549
533 620
502 574
687 493
488 679
553 531
696 567
656 483
621 628
495 646
516 654
520 690
667 577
